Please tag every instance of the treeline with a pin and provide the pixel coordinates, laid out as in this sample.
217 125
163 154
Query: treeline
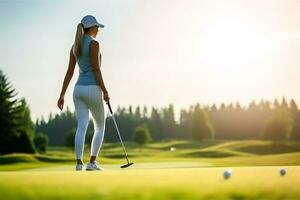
276 120
236 122
161 124
230 122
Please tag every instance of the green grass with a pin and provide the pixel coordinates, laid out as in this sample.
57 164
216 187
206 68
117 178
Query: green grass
214 153
152 183
193 171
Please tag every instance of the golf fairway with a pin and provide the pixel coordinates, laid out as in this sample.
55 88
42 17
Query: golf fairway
151 181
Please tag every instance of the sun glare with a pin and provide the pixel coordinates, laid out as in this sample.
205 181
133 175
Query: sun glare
231 44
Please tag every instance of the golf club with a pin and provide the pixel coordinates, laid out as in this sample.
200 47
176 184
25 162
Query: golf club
128 163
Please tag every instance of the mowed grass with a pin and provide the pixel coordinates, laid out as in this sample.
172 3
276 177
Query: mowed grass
193 171
259 183
208 153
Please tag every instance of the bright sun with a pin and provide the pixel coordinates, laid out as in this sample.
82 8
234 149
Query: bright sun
231 45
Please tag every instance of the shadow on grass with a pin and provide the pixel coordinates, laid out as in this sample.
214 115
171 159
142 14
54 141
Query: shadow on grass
208 154
44 158
17 158
270 149
29 158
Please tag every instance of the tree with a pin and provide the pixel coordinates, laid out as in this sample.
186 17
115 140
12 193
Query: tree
141 135
278 126
199 125
41 142
296 117
155 124
169 124
145 112
137 113
16 127
27 123
70 138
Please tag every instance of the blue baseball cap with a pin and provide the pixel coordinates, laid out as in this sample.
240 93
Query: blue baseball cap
89 21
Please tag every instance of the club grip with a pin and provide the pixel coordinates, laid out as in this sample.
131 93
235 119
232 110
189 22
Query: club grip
109 107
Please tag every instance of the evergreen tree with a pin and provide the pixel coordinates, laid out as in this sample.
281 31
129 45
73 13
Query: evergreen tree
278 126
295 112
169 124
16 127
283 104
130 110
137 112
276 104
156 124
199 125
145 112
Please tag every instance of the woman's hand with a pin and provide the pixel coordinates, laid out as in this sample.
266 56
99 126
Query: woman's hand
106 97
60 102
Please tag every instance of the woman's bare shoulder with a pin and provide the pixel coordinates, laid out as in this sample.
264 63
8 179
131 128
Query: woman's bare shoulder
94 44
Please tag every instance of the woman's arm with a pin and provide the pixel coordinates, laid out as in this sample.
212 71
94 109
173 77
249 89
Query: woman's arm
94 52
69 73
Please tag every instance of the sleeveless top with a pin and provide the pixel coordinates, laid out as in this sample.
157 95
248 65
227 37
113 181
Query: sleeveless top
86 73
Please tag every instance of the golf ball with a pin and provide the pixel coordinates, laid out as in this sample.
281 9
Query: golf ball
172 149
227 173
282 171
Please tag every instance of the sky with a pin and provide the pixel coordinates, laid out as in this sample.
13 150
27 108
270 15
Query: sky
156 52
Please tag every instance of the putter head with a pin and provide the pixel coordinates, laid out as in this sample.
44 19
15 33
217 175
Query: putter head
127 165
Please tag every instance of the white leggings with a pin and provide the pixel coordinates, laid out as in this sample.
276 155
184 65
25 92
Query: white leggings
85 98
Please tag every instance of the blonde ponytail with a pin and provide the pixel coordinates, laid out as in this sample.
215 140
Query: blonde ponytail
78 41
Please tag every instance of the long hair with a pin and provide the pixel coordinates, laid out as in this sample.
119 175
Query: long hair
78 41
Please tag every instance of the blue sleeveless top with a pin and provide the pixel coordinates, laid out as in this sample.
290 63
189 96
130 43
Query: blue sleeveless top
86 73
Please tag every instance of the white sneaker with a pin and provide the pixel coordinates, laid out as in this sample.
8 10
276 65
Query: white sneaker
93 166
79 167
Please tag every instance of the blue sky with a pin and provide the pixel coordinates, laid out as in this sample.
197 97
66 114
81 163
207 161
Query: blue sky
156 52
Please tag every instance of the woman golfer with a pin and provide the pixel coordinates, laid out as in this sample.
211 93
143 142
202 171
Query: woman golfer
88 90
